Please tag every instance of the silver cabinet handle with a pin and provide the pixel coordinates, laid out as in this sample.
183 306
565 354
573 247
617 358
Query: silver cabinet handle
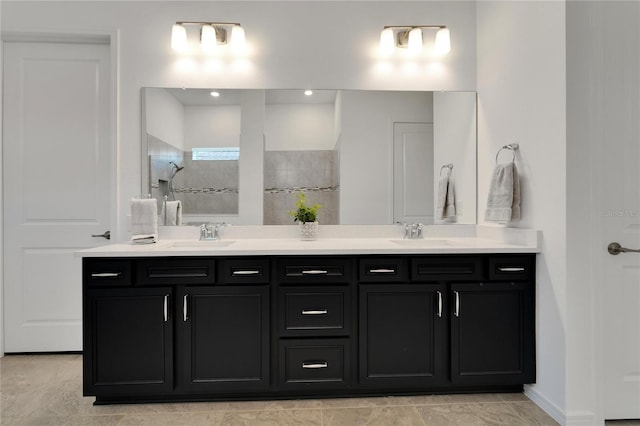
616 248
245 273
382 271
166 307
314 272
315 365
106 274
439 305
184 308
314 312
511 269
456 312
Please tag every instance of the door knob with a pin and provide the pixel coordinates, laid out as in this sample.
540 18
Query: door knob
106 235
616 248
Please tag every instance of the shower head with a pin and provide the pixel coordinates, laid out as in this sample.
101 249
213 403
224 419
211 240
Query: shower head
177 168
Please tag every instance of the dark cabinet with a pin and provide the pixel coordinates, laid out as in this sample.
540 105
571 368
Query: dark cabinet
128 341
402 335
224 338
492 333
197 328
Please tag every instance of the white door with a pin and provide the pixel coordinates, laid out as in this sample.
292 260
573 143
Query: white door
620 202
57 171
413 172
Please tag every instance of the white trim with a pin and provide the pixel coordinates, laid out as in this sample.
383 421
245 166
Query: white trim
545 404
580 418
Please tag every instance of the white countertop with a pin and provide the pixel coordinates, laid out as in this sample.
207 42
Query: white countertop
484 241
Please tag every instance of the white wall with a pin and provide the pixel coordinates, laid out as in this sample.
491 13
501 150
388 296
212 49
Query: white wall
315 44
366 150
165 117
522 98
454 136
211 126
293 127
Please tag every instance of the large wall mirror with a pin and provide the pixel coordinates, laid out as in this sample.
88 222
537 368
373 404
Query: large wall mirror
368 157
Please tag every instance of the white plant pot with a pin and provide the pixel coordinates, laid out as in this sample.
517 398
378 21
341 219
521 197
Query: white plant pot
308 231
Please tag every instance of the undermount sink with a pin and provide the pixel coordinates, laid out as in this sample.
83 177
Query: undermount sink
422 242
202 244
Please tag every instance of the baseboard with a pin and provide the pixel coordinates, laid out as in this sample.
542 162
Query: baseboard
546 405
581 418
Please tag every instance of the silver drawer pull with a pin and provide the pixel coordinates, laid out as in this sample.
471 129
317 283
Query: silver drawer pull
382 271
315 272
511 269
185 315
439 304
246 273
106 274
315 365
316 312
456 312
165 308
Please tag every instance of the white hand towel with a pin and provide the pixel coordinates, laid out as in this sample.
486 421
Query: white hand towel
446 204
173 213
144 239
503 203
144 217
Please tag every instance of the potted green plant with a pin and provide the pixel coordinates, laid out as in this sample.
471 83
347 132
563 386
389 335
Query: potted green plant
306 216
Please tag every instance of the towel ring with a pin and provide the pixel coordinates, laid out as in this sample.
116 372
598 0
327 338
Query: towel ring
512 147
446 166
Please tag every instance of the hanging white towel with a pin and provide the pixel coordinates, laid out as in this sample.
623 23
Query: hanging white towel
144 221
503 203
446 205
173 213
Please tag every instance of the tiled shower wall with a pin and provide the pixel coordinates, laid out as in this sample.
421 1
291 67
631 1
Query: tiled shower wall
316 173
160 154
210 187
204 187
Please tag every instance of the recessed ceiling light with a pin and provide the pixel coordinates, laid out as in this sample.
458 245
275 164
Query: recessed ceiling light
215 94
308 92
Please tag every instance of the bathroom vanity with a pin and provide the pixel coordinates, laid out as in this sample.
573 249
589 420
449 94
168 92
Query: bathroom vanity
283 318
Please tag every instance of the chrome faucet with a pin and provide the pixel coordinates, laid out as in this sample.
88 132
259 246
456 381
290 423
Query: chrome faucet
210 231
412 231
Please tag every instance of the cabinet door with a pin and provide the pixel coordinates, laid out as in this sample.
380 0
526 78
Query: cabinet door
128 342
225 338
402 335
492 334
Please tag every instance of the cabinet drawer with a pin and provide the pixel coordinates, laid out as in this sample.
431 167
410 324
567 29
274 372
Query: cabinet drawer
446 268
310 311
176 271
511 268
245 271
388 270
105 272
311 364
315 270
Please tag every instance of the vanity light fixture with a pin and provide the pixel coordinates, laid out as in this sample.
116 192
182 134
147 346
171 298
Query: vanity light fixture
410 37
212 35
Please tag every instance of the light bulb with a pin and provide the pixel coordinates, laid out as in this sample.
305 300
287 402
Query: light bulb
179 37
443 41
208 40
387 43
308 92
415 41
237 38
215 94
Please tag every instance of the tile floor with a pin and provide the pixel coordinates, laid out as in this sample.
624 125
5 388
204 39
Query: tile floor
47 390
